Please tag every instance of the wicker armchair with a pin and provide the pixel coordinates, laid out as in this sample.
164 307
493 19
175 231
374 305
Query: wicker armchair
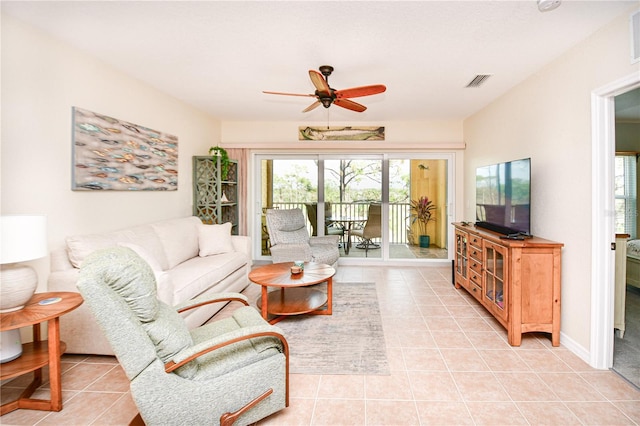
290 239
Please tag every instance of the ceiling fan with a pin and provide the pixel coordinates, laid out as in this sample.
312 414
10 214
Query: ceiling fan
326 95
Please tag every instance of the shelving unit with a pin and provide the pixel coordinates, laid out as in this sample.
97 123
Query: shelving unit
215 200
517 281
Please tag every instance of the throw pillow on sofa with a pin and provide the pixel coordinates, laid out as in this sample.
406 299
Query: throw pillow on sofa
215 239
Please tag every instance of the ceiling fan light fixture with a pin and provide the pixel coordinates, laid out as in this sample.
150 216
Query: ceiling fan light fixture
326 102
547 5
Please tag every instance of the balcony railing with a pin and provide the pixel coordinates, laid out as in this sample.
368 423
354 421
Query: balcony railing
399 221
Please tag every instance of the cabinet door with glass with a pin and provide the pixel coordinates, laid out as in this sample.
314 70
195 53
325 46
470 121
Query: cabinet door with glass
494 291
462 257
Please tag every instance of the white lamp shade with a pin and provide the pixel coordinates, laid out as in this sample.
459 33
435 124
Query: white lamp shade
22 238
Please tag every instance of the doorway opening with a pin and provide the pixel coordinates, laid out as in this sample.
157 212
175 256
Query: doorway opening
603 206
626 344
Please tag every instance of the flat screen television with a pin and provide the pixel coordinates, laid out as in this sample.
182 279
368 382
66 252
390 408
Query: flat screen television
503 197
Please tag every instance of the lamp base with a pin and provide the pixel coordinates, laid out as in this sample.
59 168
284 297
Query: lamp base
18 282
10 345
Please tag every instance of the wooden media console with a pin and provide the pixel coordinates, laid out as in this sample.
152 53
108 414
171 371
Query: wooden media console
517 281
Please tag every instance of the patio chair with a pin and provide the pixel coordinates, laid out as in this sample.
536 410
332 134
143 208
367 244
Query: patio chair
232 370
330 228
371 229
290 240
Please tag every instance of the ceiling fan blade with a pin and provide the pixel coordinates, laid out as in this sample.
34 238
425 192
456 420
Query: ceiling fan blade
287 94
353 106
314 105
355 92
319 82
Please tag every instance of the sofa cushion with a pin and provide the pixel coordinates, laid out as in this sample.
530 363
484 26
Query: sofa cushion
163 284
179 239
192 278
144 254
215 239
145 237
80 246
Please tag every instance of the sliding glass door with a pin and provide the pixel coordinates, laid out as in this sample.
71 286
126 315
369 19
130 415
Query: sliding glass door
364 199
353 200
418 185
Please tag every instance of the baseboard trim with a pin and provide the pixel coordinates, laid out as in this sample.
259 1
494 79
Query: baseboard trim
579 350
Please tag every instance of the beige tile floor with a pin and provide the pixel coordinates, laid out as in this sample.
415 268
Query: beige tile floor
450 365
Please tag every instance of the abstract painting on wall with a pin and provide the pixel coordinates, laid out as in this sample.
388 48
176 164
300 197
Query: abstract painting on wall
111 154
307 133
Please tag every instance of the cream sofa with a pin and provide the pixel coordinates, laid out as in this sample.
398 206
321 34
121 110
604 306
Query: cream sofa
189 259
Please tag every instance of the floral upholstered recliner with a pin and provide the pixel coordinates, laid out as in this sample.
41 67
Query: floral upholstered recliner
290 240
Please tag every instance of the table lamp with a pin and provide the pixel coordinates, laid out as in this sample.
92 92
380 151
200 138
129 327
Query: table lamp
22 238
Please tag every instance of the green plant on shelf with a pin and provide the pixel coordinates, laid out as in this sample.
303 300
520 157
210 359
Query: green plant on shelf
217 151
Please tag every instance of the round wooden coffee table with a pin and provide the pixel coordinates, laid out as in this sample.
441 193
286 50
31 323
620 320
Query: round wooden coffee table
294 297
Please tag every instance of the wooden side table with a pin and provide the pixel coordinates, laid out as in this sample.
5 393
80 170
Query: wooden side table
39 353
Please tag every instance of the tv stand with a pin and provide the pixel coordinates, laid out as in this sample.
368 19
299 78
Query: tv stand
516 280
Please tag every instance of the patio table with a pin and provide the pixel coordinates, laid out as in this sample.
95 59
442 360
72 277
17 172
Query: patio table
347 223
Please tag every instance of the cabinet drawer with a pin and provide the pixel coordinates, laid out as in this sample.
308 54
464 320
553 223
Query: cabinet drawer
476 253
475 290
475 241
476 277
476 267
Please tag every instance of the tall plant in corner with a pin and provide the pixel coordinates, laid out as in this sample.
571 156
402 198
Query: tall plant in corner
217 151
422 211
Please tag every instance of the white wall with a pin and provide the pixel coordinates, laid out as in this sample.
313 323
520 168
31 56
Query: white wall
548 118
42 80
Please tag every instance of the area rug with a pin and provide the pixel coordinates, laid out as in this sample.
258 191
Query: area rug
350 341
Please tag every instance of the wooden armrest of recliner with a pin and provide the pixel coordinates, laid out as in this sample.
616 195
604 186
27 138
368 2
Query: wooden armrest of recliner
225 340
214 298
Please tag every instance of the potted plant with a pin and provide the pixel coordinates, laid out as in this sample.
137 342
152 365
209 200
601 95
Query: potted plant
217 151
422 211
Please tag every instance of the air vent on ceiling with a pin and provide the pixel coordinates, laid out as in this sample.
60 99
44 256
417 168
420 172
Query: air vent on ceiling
478 80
